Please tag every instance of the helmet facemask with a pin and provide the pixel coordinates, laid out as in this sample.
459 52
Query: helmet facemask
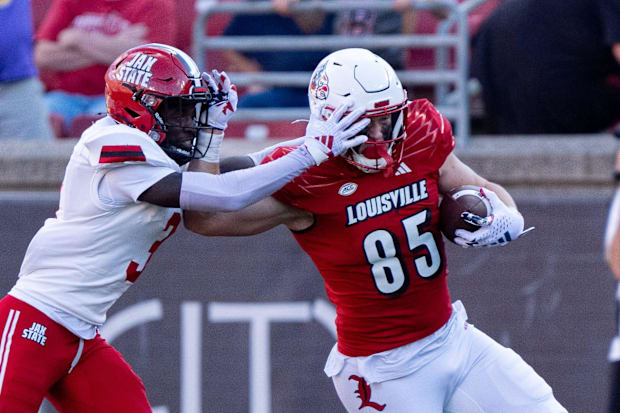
178 121
381 153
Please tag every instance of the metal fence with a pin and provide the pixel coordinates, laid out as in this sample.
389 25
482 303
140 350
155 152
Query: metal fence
451 83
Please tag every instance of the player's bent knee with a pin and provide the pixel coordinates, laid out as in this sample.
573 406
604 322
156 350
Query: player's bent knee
504 383
517 380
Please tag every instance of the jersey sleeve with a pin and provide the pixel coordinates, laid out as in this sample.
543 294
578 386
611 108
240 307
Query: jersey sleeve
429 133
289 194
129 161
121 146
124 185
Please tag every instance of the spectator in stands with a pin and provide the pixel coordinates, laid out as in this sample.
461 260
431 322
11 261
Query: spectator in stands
307 23
23 114
78 40
405 5
549 67
361 21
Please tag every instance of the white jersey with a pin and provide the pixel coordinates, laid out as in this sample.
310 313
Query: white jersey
80 262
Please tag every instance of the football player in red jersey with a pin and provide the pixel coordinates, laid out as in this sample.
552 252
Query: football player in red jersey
403 346
121 197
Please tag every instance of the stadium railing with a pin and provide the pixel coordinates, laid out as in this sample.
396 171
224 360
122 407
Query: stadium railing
451 83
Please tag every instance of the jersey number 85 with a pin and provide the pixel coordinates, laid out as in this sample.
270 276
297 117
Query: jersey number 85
384 254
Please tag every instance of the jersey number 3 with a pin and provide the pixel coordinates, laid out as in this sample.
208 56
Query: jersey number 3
383 254
132 270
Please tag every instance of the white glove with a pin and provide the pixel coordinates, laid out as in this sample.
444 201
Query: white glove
224 102
328 138
215 116
257 157
503 225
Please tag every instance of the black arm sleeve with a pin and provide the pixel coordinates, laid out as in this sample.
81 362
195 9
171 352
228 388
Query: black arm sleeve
235 163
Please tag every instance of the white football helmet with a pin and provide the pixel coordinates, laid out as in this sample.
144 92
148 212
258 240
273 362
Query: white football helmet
365 79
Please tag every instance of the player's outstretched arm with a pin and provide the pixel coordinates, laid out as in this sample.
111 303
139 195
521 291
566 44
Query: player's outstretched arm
254 219
238 189
207 192
234 163
258 156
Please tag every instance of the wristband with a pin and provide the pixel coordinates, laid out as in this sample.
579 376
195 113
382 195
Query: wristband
209 144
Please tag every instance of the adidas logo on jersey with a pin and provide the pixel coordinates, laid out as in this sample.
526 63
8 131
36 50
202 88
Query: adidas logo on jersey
402 169
36 333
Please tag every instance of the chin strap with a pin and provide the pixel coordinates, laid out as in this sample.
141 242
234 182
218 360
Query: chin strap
373 159
390 168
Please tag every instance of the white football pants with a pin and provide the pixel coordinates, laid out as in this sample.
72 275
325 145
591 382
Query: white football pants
473 374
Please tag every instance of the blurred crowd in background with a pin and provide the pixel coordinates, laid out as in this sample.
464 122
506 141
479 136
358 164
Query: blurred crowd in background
543 66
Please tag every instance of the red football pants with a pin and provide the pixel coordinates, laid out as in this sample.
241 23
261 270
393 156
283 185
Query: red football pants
40 358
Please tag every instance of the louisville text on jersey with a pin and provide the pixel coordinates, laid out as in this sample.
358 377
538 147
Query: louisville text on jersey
386 202
137 71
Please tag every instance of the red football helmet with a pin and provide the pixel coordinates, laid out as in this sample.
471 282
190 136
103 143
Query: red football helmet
158 89
362 77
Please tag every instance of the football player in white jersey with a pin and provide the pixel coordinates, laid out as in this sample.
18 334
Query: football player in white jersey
122 195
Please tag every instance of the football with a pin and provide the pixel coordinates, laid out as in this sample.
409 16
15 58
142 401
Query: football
466 198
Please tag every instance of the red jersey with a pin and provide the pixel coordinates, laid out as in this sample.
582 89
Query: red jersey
376 240
108 17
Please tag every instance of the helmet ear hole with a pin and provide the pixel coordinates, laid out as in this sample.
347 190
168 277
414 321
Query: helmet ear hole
132 113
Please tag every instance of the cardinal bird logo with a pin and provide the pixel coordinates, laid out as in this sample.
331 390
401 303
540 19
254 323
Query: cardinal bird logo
319 85
363 393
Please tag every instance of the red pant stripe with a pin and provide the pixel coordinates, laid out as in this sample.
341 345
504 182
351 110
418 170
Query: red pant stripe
7 339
